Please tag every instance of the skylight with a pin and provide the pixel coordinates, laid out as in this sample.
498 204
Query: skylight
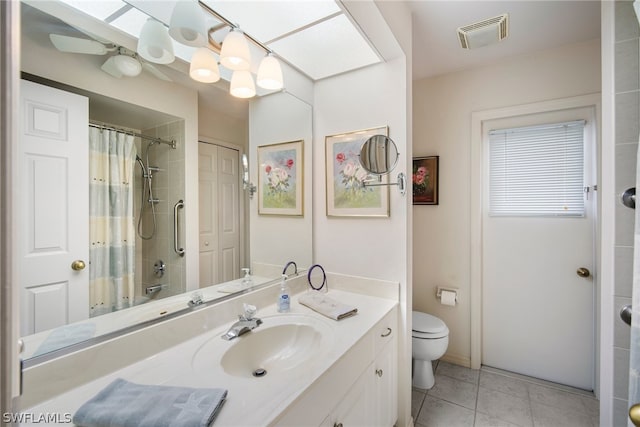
268 20
328 48
98 9
130 22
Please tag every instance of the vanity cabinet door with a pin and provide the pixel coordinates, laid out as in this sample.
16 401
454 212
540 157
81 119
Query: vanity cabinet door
357 407
386 385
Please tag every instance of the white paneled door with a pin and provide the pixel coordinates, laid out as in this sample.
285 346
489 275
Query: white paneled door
219 214
53 207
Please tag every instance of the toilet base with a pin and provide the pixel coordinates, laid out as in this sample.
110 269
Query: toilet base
423 374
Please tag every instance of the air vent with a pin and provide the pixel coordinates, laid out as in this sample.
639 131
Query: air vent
484 33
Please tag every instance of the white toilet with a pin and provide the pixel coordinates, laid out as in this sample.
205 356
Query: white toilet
430 338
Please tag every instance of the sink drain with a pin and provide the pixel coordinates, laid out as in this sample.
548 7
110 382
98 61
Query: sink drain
259 372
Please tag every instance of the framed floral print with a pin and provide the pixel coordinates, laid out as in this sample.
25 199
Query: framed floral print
346 194
280 179
425 180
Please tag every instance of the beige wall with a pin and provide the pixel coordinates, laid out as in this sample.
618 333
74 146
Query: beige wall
217 125
442 108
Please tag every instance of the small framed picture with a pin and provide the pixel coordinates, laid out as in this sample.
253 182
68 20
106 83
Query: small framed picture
425 180
346 194
280 179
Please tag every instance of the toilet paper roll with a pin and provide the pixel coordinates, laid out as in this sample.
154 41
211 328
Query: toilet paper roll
448 298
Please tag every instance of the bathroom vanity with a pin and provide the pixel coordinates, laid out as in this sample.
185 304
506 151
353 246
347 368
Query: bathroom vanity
319 372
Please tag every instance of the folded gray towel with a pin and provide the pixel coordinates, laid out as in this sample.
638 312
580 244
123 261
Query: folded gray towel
324 305
125 404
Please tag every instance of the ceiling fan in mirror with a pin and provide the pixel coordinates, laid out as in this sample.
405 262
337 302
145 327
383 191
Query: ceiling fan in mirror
122 62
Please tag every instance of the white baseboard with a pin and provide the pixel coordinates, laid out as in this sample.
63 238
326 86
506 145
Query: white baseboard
457 360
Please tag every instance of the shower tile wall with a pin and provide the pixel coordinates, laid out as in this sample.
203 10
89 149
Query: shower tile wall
627 129
168 186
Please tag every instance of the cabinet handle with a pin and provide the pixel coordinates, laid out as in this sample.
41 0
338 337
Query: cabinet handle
379 372
337 424
386 334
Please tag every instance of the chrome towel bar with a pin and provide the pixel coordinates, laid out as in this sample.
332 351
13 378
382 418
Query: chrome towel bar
176 228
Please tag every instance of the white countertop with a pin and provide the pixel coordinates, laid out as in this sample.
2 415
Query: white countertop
250 401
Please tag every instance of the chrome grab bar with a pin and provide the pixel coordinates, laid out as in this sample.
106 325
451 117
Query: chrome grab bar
176 224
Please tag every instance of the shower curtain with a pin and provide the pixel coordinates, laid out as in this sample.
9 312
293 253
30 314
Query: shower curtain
112 234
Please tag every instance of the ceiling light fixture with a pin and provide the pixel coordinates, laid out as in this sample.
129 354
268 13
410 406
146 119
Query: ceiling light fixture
187 25
204 66
122 65
270 73
242 85
235 51
127 65
154 43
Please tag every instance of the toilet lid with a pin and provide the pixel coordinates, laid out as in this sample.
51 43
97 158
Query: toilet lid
427 324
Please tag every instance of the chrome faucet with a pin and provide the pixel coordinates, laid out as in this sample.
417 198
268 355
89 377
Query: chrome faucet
196 299
246 322
284 270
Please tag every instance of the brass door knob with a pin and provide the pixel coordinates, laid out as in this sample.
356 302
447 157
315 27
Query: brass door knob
634 414
78 265
583 272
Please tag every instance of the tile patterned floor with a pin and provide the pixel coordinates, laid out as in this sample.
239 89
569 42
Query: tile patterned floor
489 397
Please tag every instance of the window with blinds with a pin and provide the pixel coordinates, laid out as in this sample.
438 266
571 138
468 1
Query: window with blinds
537 171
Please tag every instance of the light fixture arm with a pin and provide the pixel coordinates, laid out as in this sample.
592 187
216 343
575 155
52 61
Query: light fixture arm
233 26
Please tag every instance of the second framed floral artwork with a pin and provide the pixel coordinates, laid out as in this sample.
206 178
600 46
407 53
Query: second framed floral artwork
280 179
425 180
346 196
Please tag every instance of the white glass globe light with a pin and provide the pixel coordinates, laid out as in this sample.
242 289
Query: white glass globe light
235 53
242 85
187 24
270 73
154 43
204 67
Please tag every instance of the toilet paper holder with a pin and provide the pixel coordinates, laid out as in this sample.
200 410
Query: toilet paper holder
440 289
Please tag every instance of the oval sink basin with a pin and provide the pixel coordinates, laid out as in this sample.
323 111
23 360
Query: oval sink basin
281 344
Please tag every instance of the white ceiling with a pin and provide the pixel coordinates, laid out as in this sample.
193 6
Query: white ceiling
534 25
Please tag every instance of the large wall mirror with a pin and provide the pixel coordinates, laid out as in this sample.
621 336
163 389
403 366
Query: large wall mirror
173 135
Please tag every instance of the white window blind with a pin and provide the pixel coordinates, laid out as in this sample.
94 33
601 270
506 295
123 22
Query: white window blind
537 171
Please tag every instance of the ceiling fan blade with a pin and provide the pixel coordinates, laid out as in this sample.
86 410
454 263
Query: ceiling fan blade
111 68
157 73
77 45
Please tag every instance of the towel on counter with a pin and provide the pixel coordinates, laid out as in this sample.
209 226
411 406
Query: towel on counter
126 404
326 306
232 288
65 336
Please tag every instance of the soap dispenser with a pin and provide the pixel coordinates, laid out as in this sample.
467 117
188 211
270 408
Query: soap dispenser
284 297
247 280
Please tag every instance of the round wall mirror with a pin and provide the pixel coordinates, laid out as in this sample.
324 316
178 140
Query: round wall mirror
379 155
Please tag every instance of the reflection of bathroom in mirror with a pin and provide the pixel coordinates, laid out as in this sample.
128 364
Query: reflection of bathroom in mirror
150 113
379 156
247 185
